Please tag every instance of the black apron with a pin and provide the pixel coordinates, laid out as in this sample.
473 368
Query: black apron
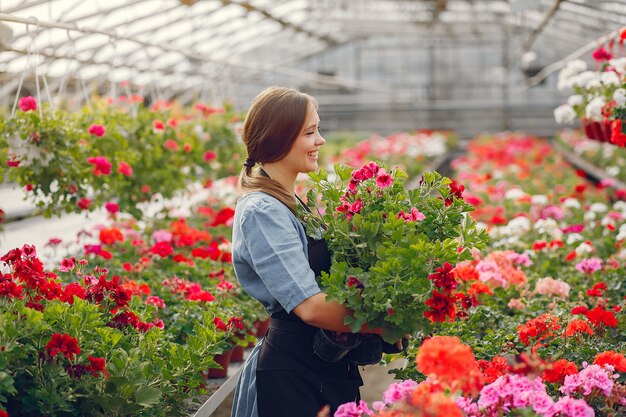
292 381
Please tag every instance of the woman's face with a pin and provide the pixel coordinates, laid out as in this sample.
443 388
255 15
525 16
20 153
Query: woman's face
302 156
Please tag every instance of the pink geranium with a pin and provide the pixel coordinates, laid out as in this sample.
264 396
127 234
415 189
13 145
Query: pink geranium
96 130
27 104
383 180
353 410
124 169
101 164
589 266
112 207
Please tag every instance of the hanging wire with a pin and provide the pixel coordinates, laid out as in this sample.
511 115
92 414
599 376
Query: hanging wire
19 86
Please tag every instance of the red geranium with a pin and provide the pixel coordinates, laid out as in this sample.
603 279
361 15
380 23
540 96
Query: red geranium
63 343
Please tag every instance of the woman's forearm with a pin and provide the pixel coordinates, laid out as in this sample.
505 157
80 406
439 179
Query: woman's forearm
319 312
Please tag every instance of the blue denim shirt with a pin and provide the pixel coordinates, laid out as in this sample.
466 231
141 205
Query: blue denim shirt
270 253
270 257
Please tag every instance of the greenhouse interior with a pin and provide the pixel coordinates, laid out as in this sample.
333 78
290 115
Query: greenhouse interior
313 208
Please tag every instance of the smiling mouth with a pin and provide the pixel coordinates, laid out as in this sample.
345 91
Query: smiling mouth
312 154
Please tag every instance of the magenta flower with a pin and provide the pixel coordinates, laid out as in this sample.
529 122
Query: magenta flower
27 104
589 266
124 169
209 156
96 130
112 207
101 164
155 301
383 180
601 54
356 206
67 264
353 410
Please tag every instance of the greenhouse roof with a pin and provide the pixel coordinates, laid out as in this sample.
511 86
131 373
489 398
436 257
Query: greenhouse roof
181 44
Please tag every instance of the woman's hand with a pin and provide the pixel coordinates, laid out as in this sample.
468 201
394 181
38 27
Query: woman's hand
399 343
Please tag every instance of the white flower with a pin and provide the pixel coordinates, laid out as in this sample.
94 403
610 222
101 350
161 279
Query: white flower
571 203
539 199
564 114
575 100
621 235
620 96
609 78
619 64
583 79
574 237
569 72
548 227
620 206
514 194
519 225
589 215
612 171
598 207
594 108
593 84
584 248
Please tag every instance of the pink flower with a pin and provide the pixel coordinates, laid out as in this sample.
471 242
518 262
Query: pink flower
570 407
162 236
589 266
383 180
67 264
353 410
29 251
356 206
592 376
158 125
27 104
209 156
124 169
549 286
399 391
96 130
101 164
155 301
171 145
574 228
112 207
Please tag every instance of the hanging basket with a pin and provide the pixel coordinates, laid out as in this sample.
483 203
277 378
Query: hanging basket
597 130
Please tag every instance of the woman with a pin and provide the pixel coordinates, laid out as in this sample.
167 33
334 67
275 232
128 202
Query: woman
275 263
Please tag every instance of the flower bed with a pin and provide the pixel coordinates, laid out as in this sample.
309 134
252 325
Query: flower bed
548 336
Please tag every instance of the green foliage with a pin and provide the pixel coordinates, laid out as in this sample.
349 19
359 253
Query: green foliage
389 256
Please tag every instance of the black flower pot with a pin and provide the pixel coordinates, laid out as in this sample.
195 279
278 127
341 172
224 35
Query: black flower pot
332 346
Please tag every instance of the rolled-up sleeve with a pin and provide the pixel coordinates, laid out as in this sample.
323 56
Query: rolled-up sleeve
277 255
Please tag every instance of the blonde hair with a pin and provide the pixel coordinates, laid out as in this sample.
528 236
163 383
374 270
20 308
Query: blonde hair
272 125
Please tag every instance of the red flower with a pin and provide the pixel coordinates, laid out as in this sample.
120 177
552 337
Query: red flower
599 316
96 130
10 289
557 371
442 305
219 324
27 103
163 249
578 326
383 180
539 245
101 164
62 343
597 290
110 236
97 365
236 322
601 54
494 369
209 156
610 357
124 169
456 190
223 217
538 329
444 278
71 290
354 282
3 413
84 203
